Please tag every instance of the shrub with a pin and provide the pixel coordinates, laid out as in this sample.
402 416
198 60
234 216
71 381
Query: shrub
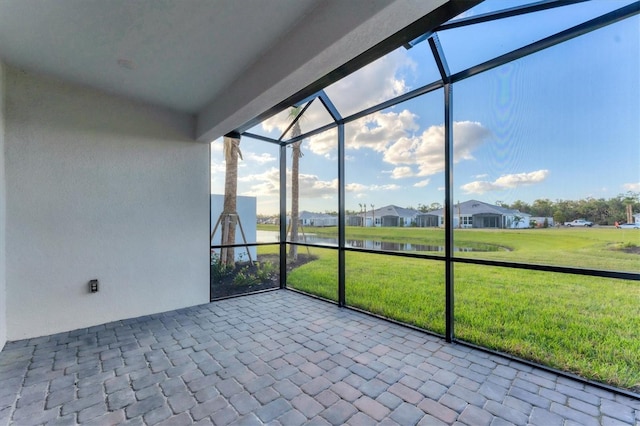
265 270
244 277
219 270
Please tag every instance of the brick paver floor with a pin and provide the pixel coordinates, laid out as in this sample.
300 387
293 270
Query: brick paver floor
282 358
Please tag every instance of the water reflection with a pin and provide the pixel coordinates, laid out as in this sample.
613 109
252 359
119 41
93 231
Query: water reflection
389 246
271 236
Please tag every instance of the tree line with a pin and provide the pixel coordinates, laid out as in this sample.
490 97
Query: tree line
600 211
597 210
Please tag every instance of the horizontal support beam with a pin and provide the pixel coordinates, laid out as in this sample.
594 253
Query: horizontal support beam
561 37
506 13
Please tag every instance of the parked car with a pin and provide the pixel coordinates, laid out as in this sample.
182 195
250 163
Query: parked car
629 226
578 222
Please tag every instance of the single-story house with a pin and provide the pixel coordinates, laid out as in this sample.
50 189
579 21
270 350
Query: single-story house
317 219
354 220
476 214
391 216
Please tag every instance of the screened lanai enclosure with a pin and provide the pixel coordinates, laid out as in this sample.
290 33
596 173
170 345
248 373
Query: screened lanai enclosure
530 107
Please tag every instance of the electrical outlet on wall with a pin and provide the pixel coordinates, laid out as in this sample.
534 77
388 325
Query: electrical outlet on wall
93 286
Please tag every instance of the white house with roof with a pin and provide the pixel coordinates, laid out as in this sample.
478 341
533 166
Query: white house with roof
388 216
318 219
476 214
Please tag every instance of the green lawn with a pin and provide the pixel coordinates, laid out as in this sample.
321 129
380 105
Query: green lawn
576 247
586 325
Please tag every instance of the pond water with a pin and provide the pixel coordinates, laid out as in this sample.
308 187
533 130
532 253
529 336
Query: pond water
272 236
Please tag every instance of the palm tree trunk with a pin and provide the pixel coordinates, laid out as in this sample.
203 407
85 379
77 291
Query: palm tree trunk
295 198
295 186
373 216
229 214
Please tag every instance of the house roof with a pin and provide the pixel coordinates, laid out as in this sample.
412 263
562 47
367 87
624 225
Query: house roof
473 207
224 61
393 210
305 215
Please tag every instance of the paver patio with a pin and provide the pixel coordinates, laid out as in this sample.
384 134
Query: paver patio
282 358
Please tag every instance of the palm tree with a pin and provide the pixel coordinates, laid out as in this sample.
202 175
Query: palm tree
517 219
629 200
295 187
229 216
364 221
373 216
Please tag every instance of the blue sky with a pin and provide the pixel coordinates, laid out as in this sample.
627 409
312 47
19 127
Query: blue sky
560 124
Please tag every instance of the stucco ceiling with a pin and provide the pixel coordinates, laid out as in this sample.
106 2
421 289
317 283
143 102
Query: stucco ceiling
225 61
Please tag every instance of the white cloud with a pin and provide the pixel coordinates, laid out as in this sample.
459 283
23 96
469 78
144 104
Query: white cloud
427 150
278 122
401 172
259 158
356 188
268 181
379 130
323 143
467 136
391 133
262 184
506 182
422 183
519 179
375 83
217 177
376 131
633 187
389 187
479 187
218 167
311 186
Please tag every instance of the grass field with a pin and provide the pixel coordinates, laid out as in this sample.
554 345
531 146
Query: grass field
586 325
596 248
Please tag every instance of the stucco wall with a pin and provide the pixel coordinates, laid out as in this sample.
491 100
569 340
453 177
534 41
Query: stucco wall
99 187
3 233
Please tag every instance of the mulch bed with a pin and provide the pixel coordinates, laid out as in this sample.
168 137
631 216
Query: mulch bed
632 250
226 287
